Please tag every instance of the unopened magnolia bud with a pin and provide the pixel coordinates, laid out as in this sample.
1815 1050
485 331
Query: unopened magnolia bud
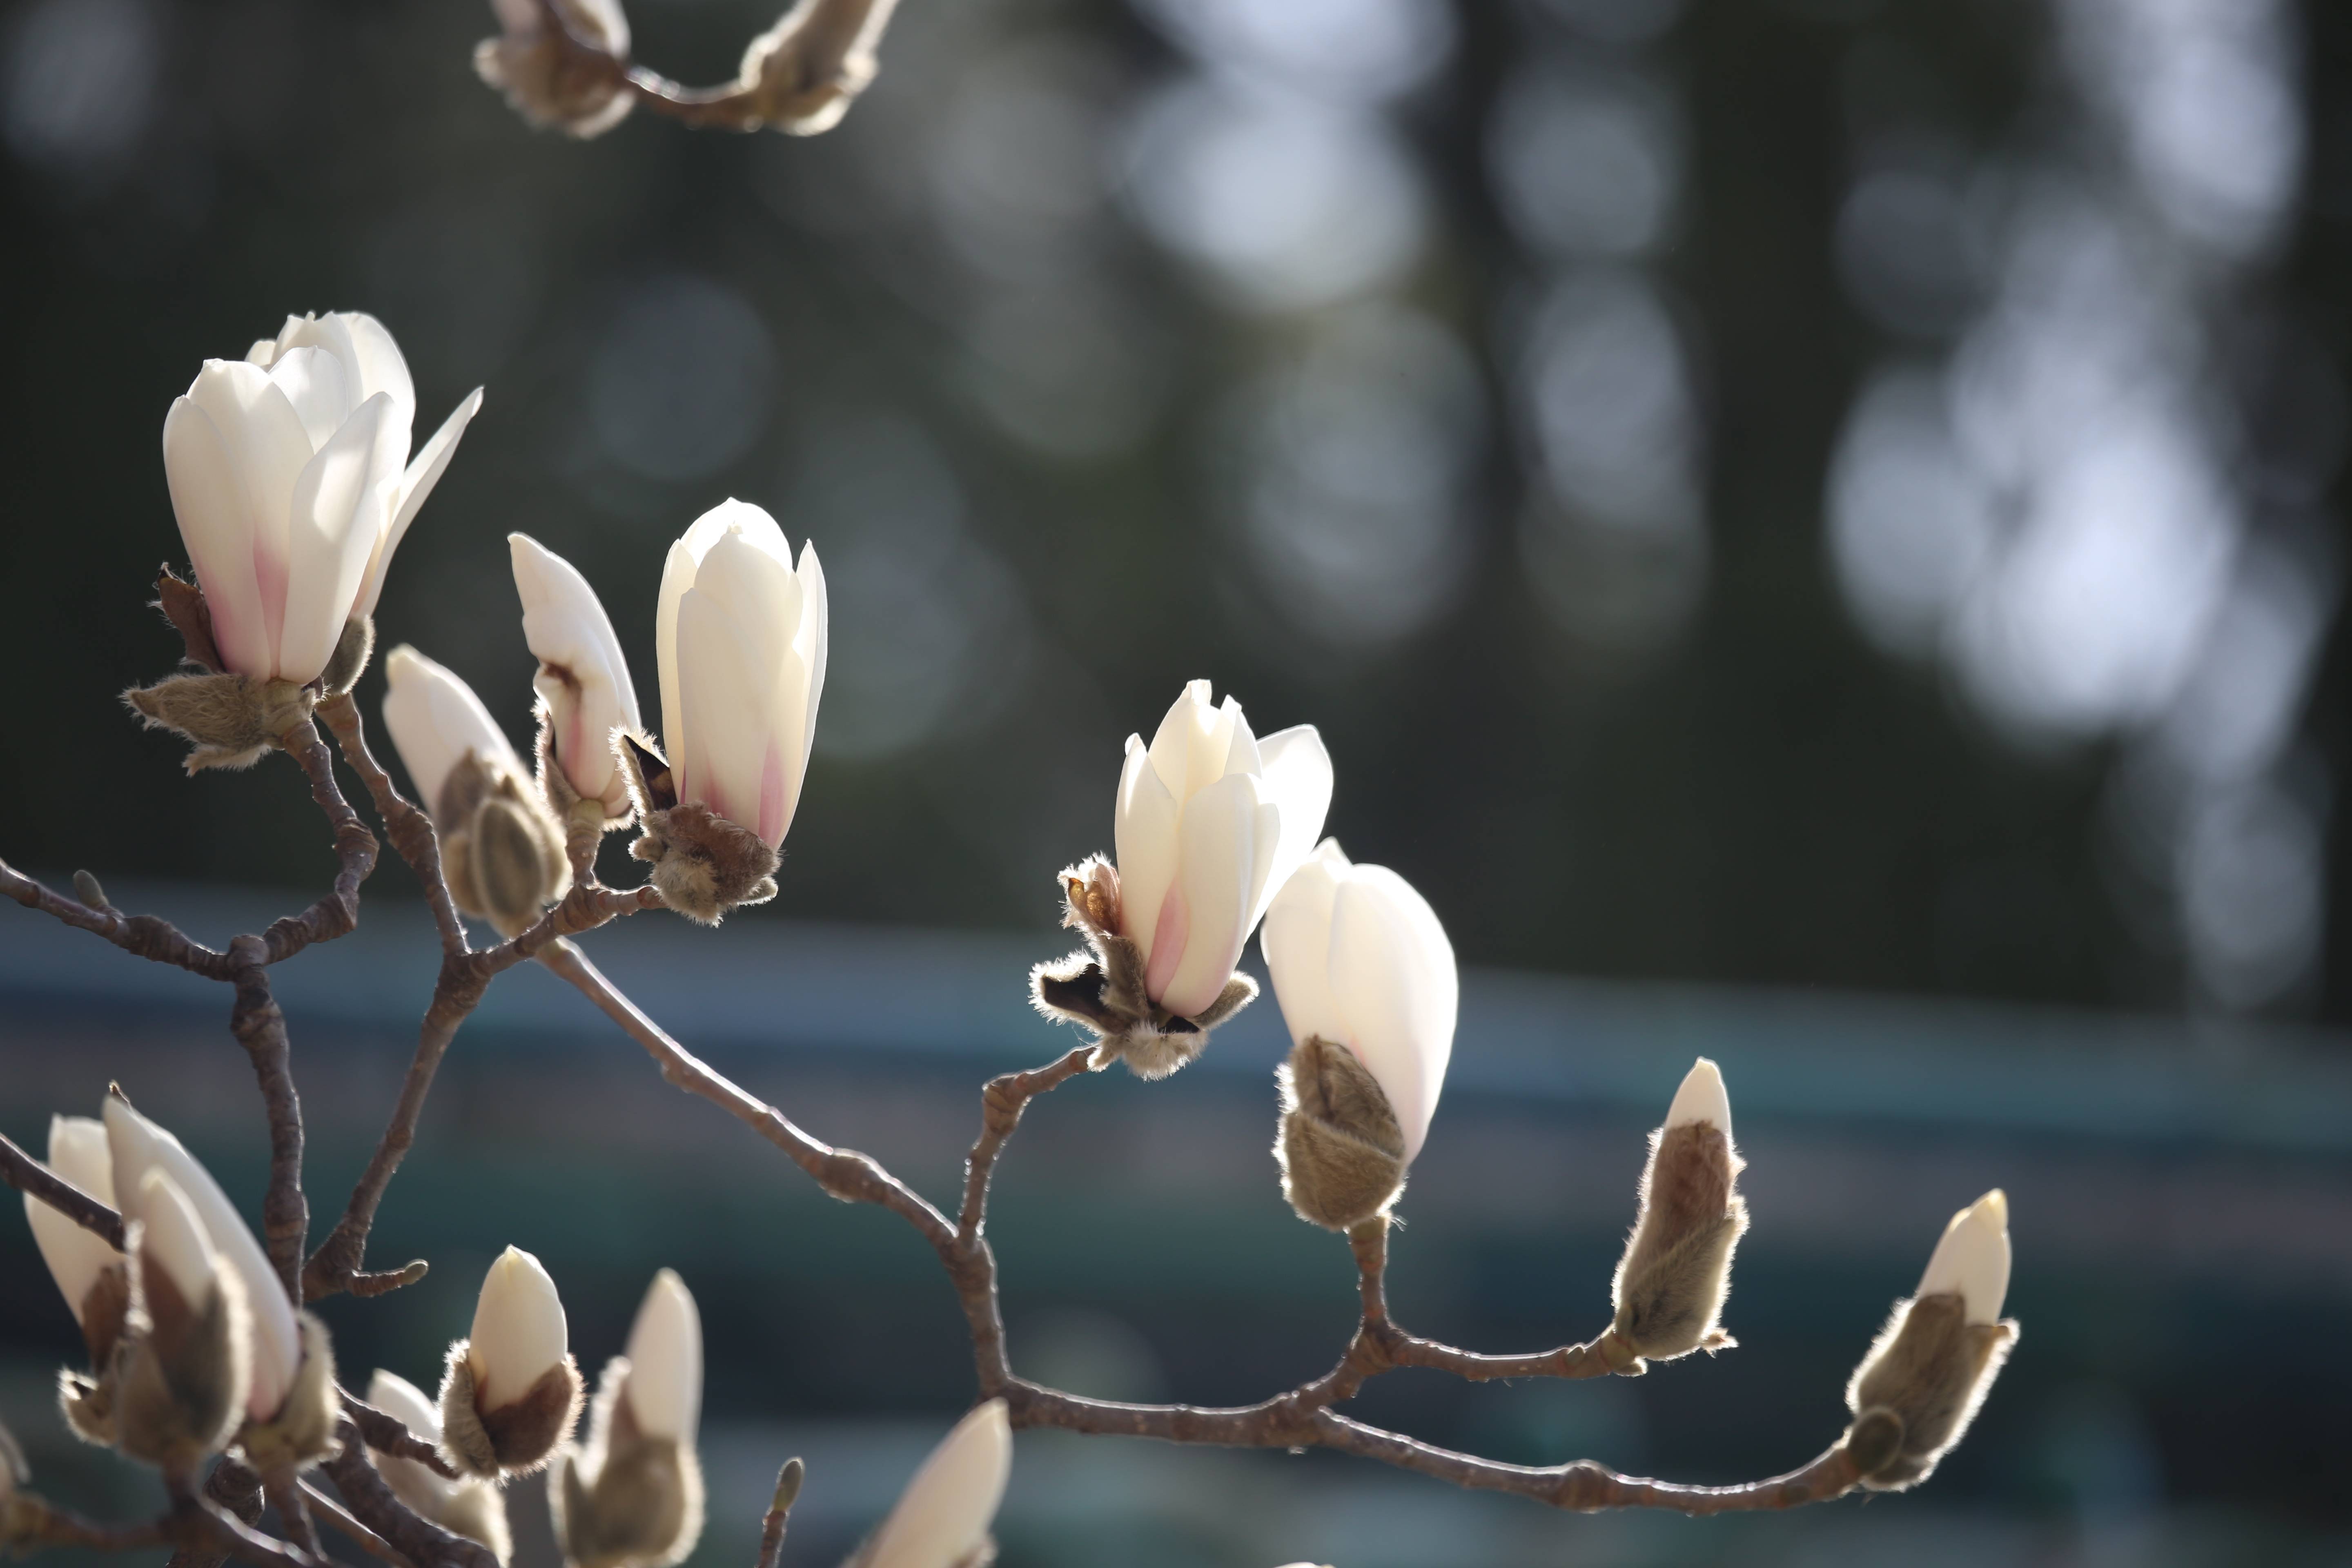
633 1496
231 719
562 63
583 685
1102 985
469 1506
1915 1393
302 1432
511 1394
1341 1151
181 1370
1676 1270
703 864
89 1271
941 1519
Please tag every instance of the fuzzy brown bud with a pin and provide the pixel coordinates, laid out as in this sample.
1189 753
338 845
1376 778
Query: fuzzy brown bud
231 719
703 864
175 1385
515 1437
1341 1148
350 659
1915 1393
1676 1270
303 1431
1101 985
629 1498
501 851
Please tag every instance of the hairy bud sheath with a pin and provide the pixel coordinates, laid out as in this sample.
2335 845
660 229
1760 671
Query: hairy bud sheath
469 1506
1676 1270
632 1497
703 865
302 1432
231 719
1341 1151
1102 985
179 1374
1931 1366
511 1394
562 64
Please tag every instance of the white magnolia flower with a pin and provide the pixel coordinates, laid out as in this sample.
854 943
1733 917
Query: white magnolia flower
1210 822
435 719
1359 959
664 1386
942 1518
520 1333
75 1256
741 636
581 678
1701 1098
290 476
139 1146
1972 1258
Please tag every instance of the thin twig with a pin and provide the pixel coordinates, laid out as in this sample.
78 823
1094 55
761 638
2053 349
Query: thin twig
337 911
367 1540
150 937
260 1028
410 830
27 1175
372 1501
388 1434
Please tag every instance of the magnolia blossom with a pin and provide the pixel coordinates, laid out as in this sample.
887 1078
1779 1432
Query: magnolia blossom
665 1386
290 474
942 1518
1359 959
435 719
139 1146
519 1334
741 635
1972 1259
1211 821
76 1256
582 679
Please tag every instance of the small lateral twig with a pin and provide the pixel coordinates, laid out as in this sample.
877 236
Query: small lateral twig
372 1501
779 1511
388 1434
343 1524
27 1175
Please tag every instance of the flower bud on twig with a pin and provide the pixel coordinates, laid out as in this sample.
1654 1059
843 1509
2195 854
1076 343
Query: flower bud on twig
1676 1270
181 1370
1210 823
1915 1393
1367 983
583 686
802 74
941 1519
88 1272
510 1393
502 852
469 1506
562 63
740 633
632 1497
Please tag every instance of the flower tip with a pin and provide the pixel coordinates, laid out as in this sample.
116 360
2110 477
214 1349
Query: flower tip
1972 1260
944 1514
1701 1098
518 1327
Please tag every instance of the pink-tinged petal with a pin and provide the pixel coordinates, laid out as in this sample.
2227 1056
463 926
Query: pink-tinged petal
1143 830
1296 942
268 449
812 642
415 485
1392 972
336 520
1219 857
1168 934
1296 772
216 525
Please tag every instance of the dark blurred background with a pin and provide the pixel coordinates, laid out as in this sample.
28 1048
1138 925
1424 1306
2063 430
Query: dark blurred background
1759 496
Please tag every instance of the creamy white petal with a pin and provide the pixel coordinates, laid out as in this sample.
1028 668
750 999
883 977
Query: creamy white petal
1217 861
268 449
678 573
171 1237
1973 1259
217 523
403 1400
371 358
1144 835
335 523
1296 941
75 1256
435 719
414 1483
137 1146
1239 741
1701 1098
314 383
416 483
1295 773
1392 972
723 695
811 644
944 1514
1183 732
519 1330
566 626
664 1386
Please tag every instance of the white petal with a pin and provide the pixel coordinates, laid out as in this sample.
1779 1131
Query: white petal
944 1514
139 1145
566 626
371 359
1296 772
519 1330
1218 860
416 483
414 1484
1185 732
171 1237
1972 1258
1392 972
812 644
1296 941
217 523
435 719
1701 1098
1143 837
405 1402
664 1386
267 449
76 1257
314 383
678 573
335 524
1241 754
